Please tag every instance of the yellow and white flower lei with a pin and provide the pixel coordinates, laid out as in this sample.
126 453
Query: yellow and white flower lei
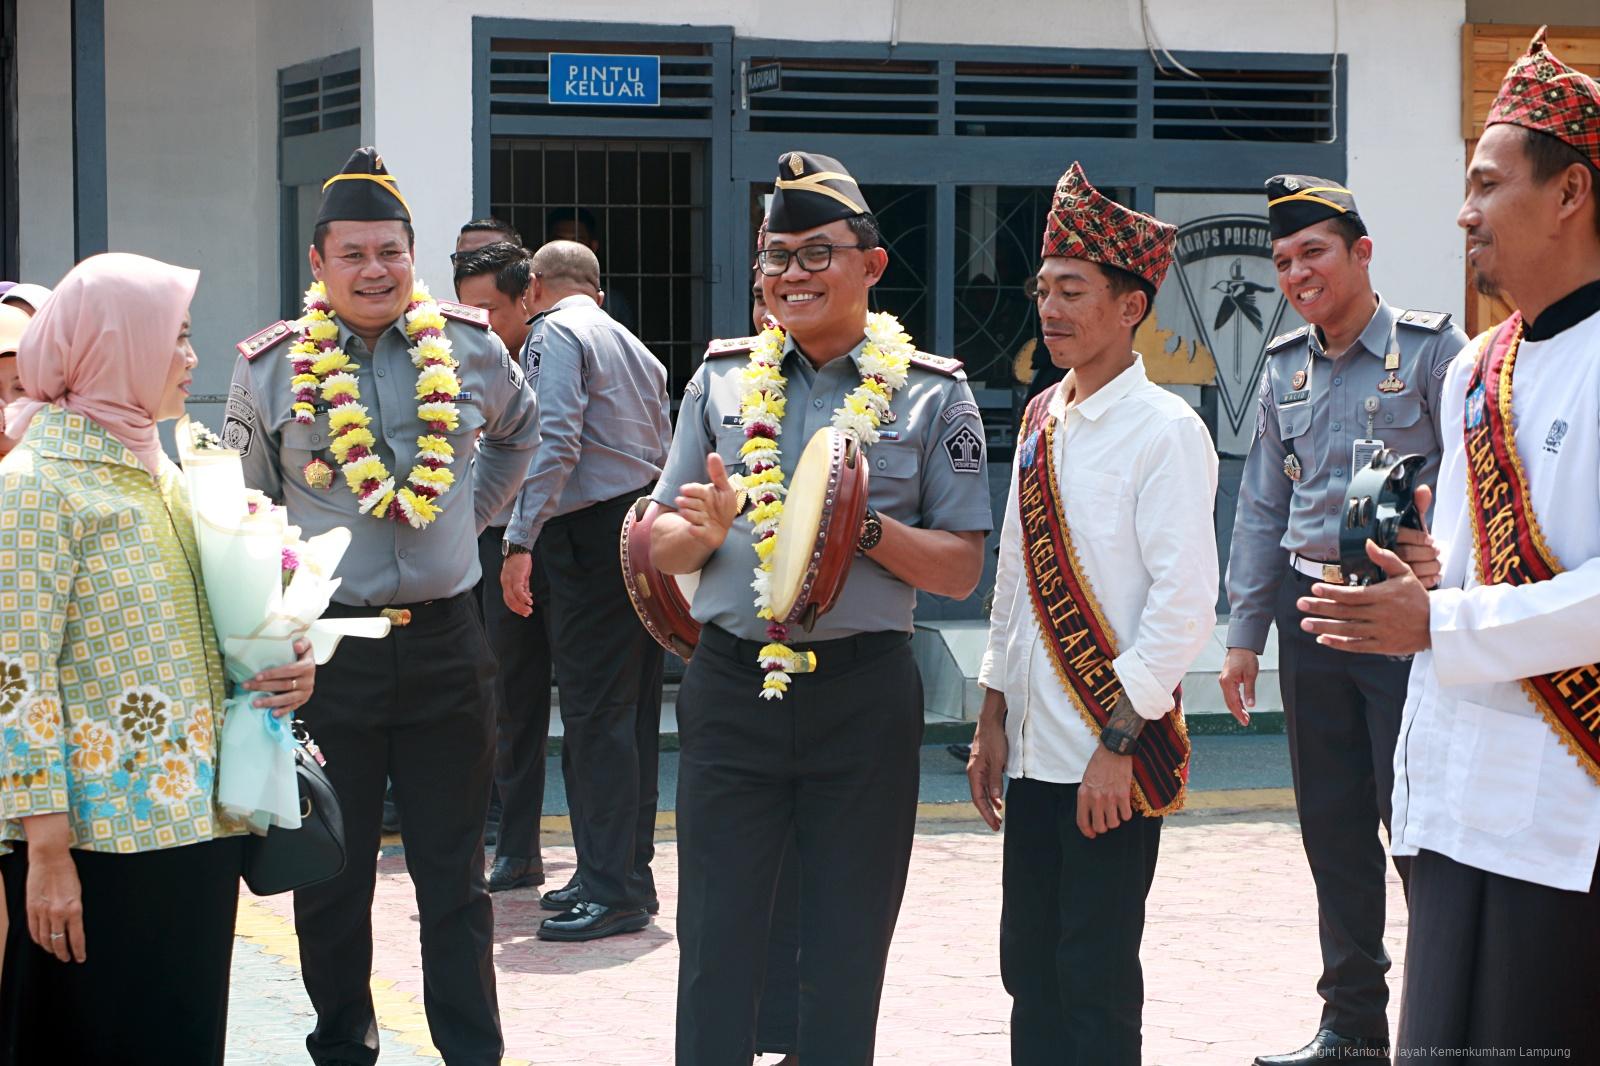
884 363
323 370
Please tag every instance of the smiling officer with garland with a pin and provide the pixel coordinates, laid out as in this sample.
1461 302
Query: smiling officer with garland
363 414
828 757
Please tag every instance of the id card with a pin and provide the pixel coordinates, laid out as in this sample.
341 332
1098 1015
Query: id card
1361 453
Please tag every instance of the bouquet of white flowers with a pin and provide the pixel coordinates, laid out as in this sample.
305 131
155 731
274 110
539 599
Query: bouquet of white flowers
266 588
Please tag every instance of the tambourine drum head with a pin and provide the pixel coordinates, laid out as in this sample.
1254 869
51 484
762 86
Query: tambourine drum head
802 517
687 584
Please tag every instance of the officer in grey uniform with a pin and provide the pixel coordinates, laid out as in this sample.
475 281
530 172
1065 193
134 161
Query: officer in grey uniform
1364 376
605 423
833 766
419 706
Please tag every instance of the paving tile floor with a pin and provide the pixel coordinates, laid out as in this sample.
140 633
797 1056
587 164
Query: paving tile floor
1230 954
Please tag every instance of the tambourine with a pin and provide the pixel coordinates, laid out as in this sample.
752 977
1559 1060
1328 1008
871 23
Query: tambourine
1377 505
661 600
820 528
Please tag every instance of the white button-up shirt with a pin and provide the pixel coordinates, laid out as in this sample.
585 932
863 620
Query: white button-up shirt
1138 479
1479 775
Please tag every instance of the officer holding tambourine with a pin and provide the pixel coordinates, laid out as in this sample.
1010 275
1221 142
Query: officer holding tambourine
1363 376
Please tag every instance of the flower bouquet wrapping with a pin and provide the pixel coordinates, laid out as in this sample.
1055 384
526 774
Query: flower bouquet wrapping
266 588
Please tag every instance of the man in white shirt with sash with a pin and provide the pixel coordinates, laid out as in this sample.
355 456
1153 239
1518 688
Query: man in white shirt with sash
1104 595
1497 773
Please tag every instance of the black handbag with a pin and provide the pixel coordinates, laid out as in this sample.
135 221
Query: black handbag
287 859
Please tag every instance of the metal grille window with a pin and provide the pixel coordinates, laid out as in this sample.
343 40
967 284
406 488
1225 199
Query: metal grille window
844 96
1245 105
519 78
1013 100
641 204
323 100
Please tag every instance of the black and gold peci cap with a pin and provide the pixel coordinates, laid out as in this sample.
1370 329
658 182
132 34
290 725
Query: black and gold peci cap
364 191
1295 201
811 191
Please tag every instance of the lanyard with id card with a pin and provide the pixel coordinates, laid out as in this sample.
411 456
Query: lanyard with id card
1364 448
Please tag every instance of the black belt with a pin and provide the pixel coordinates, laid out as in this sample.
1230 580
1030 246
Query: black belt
399 614
624 500
829 652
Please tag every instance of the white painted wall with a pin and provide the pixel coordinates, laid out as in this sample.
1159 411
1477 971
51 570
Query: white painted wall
1406 155
44 139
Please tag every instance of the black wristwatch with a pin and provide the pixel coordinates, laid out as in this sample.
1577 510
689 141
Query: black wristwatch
1116 741
508 549
871 531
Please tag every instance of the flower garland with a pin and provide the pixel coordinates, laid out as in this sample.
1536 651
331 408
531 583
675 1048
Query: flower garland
884 362
323 369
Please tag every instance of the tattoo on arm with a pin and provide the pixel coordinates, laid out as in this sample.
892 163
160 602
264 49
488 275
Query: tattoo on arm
1125 719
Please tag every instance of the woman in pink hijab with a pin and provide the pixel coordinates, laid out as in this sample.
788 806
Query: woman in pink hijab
121 874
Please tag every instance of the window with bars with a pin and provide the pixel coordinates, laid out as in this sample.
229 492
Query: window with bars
641 205
325 99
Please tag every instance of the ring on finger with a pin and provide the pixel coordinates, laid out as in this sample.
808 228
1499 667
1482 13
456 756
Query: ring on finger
294 684
57 936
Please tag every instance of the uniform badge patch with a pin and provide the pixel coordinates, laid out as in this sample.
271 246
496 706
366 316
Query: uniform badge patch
965 449
239 423
959 408
318 474
1291 466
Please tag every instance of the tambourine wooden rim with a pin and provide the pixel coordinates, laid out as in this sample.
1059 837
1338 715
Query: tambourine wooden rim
833 546
657 600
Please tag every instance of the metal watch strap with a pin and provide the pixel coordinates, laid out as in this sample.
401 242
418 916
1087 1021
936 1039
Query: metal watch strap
508 549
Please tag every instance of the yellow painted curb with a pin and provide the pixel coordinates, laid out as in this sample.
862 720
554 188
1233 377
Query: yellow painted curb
401 1014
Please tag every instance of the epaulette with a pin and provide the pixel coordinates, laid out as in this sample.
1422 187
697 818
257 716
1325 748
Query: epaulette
257 343
730 346
1283 340
1432 321
939 364
476 316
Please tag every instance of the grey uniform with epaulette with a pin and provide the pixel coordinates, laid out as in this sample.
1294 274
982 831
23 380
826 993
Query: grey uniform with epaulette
928 470
1315 409
389 562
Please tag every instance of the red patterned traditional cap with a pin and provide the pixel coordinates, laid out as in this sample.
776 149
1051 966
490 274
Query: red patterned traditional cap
1542 93
1086 224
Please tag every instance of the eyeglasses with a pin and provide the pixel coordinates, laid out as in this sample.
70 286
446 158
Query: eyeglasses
814 258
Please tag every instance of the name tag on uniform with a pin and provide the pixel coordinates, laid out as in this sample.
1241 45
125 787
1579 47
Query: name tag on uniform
888 434
729 421
464 397
1297 396
1362 451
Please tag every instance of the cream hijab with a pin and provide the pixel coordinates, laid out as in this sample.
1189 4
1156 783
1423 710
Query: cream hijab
104 344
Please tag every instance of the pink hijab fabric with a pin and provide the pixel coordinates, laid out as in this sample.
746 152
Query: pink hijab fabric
104 344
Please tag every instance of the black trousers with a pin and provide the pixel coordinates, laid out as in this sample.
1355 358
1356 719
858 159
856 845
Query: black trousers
1493 962
1343 716
609 671
832 767
521 649
158 941
417 708
778 1020
1071 921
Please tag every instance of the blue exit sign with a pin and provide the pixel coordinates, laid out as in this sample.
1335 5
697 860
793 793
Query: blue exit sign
605 80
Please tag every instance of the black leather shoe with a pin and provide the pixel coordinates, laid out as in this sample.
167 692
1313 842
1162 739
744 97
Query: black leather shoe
591 921
509 872
564 898
1328 1046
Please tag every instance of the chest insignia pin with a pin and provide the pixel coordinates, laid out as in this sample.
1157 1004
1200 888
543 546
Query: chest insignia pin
1298 382
1391 384
318 474
1291 466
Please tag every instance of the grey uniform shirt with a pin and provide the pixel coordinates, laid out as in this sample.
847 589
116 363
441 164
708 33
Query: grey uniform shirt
388 561
927 470
605 419
1315 407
